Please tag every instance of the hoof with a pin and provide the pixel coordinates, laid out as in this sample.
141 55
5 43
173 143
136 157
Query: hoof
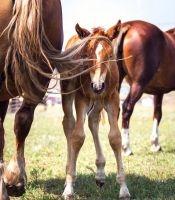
15 177
15 191
68 192
156 148
124 193
100 183
127 152
67 196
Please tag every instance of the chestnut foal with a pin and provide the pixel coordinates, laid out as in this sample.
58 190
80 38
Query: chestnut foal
97 89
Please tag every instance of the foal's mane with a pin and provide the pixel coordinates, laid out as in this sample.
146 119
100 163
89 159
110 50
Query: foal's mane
98 30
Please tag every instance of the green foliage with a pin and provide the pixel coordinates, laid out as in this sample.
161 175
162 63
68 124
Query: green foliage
149 176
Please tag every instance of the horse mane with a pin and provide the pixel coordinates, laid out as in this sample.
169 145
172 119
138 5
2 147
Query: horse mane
98 30
30 48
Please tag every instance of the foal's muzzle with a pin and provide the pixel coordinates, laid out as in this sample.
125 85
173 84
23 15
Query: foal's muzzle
98 88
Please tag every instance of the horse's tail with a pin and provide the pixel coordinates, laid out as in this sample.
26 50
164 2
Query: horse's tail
118 50
25 51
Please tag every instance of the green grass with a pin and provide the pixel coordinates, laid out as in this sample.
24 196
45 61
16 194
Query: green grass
149 176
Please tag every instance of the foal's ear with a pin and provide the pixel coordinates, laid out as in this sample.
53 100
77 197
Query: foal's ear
82 32
114 30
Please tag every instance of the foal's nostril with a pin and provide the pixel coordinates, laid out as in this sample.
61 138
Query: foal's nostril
98 88
103 86
92 86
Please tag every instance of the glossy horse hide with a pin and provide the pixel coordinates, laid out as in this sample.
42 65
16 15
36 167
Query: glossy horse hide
92 92
31 38
149 69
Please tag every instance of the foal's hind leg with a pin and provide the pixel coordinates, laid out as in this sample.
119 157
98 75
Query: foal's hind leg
15 175
157 117
93 121
112 109
134 95
3 110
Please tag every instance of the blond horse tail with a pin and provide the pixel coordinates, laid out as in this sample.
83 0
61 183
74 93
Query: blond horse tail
26 51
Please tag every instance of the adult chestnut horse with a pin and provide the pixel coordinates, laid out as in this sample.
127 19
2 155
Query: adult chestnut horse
31 38
93 91
150 69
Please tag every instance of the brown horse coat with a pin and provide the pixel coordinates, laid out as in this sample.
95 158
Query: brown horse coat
150 69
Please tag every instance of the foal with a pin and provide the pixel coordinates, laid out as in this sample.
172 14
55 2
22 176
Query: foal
97 89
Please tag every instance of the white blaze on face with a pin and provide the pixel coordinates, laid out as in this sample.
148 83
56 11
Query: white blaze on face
96 77
98 51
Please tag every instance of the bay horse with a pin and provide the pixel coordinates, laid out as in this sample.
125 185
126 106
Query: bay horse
91 92
31 39
150 69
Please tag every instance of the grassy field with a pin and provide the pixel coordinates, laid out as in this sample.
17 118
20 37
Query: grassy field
149 176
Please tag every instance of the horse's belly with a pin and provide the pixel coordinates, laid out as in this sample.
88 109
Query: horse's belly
161 84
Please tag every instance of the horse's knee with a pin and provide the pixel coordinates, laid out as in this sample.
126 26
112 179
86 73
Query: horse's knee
23 121
77 140
115 140
68 125
68 121
24 116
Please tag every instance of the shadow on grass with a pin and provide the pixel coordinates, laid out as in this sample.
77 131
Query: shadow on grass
172 151
141 188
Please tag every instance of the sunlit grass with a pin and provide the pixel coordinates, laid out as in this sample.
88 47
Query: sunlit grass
149 176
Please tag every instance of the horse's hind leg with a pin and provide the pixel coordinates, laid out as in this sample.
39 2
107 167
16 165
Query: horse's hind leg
157 117
93 121
112 109
3 110
134 95
15 175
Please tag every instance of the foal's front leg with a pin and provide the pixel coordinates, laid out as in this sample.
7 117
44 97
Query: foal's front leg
67 105
76 142
112 109
15 175
93 121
